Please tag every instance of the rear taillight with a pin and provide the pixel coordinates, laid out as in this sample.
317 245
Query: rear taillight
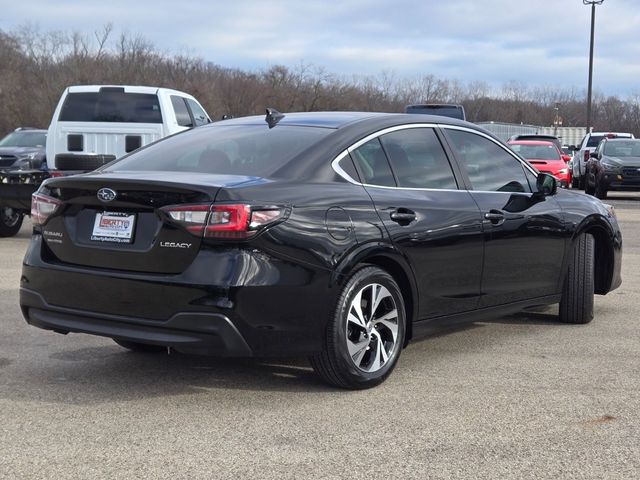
587 155
230 221
42 207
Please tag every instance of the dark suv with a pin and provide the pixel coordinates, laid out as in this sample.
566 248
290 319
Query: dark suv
22 157
24 148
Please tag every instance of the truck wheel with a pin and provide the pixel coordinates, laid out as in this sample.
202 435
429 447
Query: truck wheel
600 191
576 304
588 189
10 221
575 182
366 333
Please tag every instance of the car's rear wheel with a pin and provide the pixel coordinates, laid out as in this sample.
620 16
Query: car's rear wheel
10 221
576 305
366 334
140 347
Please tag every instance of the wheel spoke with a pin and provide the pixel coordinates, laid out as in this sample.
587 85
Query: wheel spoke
379 293
357 350
380 356
356 307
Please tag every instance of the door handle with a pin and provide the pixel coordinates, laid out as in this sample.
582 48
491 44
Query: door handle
403 216
495 217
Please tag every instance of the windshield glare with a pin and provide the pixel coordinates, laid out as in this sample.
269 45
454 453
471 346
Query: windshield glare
24 139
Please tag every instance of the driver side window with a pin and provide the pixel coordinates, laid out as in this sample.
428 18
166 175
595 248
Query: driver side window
490 168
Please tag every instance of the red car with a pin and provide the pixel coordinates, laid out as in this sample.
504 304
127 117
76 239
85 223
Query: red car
545 157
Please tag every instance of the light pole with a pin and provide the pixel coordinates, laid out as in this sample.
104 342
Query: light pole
593 4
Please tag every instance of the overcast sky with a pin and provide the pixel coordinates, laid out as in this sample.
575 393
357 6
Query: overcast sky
535 42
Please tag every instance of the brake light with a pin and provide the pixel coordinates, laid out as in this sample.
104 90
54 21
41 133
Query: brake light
42 207
587 155
227 221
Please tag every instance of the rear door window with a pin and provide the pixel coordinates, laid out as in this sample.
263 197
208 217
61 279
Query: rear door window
111 106
418 159
182 112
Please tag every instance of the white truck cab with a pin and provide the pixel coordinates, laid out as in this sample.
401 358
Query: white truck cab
95 124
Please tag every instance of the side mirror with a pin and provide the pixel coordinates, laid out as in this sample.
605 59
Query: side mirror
566 158
594 155
546 185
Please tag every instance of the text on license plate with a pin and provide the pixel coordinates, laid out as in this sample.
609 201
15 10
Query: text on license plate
116 227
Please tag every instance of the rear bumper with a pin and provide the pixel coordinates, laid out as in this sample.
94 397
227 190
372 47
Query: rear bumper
229 302
188 332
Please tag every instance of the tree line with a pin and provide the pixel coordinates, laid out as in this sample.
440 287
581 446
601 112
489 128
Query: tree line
37 66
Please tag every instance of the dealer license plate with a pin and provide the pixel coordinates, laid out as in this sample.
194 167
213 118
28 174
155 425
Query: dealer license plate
115 227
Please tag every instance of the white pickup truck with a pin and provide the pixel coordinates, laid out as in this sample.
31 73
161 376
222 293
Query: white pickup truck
93 125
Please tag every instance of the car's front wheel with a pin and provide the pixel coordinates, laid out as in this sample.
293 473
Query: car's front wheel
576 304
366 334
10 221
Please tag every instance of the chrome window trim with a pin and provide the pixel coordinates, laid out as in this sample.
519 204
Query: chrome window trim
488 137
335 164
336 167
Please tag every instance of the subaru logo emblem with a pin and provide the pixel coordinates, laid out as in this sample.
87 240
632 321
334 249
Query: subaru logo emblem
106 194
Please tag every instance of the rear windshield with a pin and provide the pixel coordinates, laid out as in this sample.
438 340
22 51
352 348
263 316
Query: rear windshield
24 139
594 140
537 152
111 107
251 150
452 111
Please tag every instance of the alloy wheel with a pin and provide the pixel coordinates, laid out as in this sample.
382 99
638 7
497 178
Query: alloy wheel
372 328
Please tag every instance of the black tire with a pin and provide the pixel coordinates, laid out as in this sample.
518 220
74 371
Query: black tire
581 182
575 183
140 347
365 333
576 305
588 189
600 191
10 222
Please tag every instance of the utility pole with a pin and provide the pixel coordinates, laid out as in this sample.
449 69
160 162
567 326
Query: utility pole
593 4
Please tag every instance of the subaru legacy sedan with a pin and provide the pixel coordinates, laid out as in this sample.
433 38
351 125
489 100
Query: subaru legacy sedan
338 235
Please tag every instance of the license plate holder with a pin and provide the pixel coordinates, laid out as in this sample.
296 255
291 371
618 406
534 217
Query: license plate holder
113 227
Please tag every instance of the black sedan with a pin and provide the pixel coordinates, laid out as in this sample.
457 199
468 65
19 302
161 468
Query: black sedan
614 165
336 235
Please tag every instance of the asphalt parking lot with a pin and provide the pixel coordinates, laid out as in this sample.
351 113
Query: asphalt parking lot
516 397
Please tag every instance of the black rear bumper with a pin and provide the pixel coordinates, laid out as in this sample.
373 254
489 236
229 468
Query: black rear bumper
189 332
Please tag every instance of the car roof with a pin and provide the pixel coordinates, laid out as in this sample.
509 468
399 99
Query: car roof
127 89
338 120
621 139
